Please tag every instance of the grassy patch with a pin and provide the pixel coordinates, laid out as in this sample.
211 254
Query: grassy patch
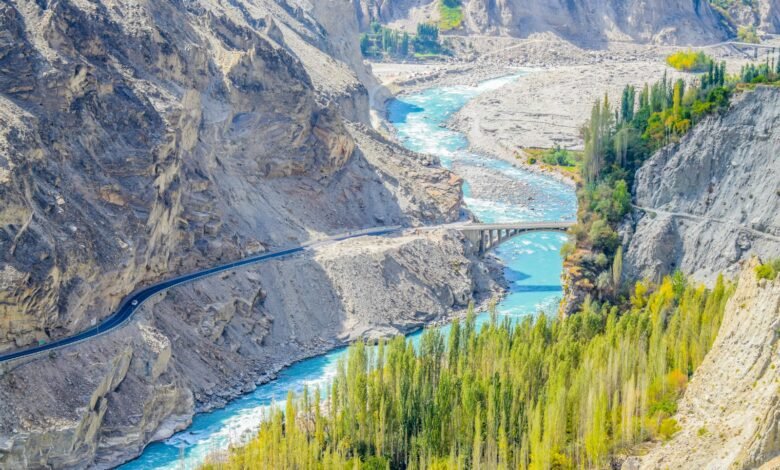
450 15
549 159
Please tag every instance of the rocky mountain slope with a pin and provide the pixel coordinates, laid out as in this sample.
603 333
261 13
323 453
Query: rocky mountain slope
762 14
713 199
663 21
142 139
197 346
730 413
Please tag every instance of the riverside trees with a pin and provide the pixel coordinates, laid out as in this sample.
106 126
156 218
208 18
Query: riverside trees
617 142
542 393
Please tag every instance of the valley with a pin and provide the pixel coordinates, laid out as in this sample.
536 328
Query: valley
204 204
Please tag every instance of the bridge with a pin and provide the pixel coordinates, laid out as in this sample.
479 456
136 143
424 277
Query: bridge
482 236
486 236
744 47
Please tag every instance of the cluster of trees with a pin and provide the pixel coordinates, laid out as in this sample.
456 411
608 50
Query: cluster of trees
768 72
617 142
542 393
748 34
559 156
689 61
380 40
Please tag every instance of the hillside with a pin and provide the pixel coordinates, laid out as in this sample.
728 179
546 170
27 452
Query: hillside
141 140
713 199
659 21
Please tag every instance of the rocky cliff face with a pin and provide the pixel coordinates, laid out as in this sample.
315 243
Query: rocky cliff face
769 13
141 139
730 413
663 21
99 403
713 199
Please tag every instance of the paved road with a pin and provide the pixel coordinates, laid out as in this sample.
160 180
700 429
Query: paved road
733 223
133 302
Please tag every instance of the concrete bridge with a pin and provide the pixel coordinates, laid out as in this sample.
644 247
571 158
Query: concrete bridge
746 47
486 236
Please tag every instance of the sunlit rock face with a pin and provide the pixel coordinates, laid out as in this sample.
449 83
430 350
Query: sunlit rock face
715 195
141 139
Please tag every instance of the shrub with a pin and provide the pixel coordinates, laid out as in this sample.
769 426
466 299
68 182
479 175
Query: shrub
748 34
558 156
567 249
603 237
768 270
668 428
689 61
450 14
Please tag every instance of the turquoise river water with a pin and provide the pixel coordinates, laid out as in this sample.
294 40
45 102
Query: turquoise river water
494 191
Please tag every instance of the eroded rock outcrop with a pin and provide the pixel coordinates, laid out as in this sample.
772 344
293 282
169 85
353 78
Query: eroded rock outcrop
131 149
730 413
714 199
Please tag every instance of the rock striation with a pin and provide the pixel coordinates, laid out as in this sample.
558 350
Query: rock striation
144 139
712 200
197 346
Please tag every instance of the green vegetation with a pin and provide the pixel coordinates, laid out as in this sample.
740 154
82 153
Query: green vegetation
768 270
618 141
559 156
543 393
766 73
730 3
689 61
380 41
451 15
556 159
748 34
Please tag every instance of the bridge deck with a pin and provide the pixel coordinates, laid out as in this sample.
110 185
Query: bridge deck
514 226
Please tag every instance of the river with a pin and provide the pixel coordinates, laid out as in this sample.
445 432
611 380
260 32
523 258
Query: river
494 191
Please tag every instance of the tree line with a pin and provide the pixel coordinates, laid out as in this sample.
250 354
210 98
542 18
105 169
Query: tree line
381 40
618 140
542 393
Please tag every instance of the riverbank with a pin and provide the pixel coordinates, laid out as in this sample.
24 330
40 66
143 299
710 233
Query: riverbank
548 104
530 266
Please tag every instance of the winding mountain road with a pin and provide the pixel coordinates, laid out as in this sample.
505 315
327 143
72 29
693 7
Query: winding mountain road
135 300
699 218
